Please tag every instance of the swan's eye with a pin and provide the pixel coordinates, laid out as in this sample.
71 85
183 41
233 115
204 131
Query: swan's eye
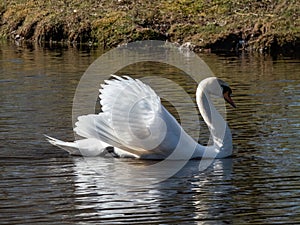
226 89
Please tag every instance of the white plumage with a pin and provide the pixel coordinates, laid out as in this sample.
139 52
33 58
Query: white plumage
135 123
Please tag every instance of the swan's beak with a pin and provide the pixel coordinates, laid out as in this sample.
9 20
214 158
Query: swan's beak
228 99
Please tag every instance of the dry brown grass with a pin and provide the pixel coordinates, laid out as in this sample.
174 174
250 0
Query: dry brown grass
261 24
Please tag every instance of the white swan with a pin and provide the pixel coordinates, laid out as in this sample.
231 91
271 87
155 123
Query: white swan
133 123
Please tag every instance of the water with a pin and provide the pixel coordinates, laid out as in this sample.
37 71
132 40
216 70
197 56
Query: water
41 184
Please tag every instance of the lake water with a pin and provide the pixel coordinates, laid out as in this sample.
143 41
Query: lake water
41 184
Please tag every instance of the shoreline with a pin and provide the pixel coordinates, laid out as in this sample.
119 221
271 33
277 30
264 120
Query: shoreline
226 26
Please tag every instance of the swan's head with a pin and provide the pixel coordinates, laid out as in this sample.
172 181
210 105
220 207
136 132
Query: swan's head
217 87
226 92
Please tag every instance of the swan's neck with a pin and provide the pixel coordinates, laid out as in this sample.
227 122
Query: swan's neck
220 135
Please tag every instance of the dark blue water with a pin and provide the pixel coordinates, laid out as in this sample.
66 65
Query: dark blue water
41 184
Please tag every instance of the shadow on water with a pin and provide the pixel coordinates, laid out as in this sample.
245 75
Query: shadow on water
40 184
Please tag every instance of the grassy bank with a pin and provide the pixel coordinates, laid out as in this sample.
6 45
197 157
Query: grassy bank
258 25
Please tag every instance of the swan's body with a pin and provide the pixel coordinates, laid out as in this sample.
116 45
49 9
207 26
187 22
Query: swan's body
133 123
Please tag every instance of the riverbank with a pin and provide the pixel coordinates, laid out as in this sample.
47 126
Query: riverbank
252 25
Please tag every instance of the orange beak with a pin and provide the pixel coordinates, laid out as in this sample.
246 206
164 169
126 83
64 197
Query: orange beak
228 99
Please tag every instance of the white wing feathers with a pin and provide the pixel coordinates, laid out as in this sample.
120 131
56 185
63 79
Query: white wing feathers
89 126
131 117
127 92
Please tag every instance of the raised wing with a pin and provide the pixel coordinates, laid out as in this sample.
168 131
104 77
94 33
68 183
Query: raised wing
133 111
132 116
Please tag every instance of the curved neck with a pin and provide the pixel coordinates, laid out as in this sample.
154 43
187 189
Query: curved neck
220 134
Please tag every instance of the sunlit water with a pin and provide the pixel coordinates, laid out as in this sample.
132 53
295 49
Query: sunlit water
41 184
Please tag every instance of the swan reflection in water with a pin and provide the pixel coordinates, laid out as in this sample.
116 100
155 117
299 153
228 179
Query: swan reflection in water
112 189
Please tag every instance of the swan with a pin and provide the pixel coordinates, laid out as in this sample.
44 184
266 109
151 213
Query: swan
134 124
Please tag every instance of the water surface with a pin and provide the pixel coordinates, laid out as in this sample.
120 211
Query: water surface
41 184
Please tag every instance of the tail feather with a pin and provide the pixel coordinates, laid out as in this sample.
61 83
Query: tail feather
84 147
70 147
